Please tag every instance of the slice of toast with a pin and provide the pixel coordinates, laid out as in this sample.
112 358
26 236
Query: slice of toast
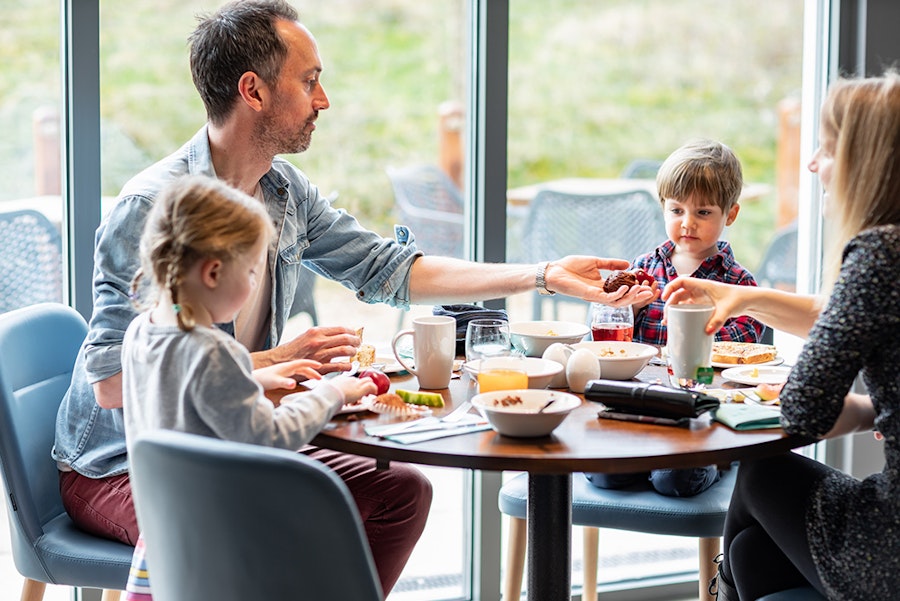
742 353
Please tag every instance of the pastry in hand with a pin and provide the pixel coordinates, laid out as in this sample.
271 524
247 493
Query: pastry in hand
365 354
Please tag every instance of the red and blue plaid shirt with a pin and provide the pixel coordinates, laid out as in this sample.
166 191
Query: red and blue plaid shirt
648 327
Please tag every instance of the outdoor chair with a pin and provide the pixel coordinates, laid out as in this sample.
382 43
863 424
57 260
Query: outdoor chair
778 268
641 169
638 508
430 204
619 225
30 260
39 345
232 521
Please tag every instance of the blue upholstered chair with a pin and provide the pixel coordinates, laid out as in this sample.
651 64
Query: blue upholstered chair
232 522
638 508
39 345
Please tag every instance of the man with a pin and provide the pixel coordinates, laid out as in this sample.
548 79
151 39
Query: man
257 70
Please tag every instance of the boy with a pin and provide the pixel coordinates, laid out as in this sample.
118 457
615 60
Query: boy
699 186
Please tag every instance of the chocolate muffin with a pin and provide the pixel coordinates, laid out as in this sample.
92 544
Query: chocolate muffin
617 279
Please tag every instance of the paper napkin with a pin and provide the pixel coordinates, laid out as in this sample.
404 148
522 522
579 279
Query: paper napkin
746 416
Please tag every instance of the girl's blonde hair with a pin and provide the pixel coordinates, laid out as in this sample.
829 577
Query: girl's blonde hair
705 168
862 116
194 218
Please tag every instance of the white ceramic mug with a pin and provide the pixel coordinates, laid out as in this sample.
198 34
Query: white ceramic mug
689 347
434 348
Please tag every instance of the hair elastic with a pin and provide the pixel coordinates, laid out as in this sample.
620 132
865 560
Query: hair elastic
177 308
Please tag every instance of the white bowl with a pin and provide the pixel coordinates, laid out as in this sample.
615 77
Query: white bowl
620 360
540 371
522 419
533 337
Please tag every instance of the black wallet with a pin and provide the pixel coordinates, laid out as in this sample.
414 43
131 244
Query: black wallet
639 398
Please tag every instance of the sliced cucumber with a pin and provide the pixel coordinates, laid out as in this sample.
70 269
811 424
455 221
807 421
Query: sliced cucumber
429 399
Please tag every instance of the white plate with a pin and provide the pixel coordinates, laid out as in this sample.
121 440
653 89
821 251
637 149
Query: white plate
778 360
745 374
390 365
364 404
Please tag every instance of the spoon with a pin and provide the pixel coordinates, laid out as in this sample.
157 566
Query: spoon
547 404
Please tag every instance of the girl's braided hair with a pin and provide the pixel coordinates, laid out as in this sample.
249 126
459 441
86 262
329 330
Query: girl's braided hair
196 217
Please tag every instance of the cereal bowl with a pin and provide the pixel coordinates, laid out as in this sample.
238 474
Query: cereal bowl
540 371
518 412
533 337
620 360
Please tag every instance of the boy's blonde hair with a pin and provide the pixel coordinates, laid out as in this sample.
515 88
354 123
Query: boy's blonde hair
862 116
197 217
704 170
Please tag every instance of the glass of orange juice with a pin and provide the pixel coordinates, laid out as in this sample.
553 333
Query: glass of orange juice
502 373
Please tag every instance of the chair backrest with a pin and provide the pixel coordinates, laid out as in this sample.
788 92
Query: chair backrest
430 204
231 521
39 345
620 225
30 260
778 268
641 169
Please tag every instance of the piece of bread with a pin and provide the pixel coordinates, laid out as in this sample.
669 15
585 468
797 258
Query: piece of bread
365 354
742 353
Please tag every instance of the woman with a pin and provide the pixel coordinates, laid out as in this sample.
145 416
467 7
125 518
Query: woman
794 521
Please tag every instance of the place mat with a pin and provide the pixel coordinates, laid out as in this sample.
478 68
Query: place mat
743 416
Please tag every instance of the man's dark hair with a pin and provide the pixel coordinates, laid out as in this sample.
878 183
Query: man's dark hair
239 37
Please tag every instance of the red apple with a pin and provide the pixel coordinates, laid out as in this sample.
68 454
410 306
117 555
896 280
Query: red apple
382 382
643 277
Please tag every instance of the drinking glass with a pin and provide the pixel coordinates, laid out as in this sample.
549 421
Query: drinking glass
487 338
611 323
502 373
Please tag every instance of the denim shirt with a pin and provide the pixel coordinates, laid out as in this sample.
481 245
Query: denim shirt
90 439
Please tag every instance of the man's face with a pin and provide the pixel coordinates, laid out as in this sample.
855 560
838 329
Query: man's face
297 97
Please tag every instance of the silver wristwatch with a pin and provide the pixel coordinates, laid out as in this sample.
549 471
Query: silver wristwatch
539 279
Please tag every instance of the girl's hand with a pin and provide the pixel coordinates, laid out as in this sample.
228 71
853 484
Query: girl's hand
352 388
286 375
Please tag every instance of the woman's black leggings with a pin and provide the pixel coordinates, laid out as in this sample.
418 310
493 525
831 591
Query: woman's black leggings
766 547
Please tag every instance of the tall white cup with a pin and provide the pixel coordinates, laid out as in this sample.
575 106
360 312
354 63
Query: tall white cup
689 347
434 348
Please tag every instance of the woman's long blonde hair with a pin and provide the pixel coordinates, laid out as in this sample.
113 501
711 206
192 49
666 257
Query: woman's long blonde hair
862 116
197 217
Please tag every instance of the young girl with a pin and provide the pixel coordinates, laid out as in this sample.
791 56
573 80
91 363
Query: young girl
204 249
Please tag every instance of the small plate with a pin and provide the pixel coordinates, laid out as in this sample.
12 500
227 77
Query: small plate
754 374
389 365
778 360
364 404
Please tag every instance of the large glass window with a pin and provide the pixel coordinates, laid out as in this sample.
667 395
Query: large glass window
600 93
30 206
395 75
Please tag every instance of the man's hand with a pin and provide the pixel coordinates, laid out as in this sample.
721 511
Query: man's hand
580 276
320 344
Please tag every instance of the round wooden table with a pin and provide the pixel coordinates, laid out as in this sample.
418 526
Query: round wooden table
582 443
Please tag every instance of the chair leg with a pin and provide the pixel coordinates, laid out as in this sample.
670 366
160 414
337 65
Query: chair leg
32 590
591 556
709 548
110 595
515 559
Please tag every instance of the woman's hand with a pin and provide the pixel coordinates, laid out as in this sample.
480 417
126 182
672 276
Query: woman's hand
285 375
726 298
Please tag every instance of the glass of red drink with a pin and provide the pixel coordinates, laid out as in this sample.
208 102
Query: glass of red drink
611 323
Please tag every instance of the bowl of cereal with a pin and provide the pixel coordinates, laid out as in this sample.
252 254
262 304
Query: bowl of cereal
533 337
620 360
525 413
